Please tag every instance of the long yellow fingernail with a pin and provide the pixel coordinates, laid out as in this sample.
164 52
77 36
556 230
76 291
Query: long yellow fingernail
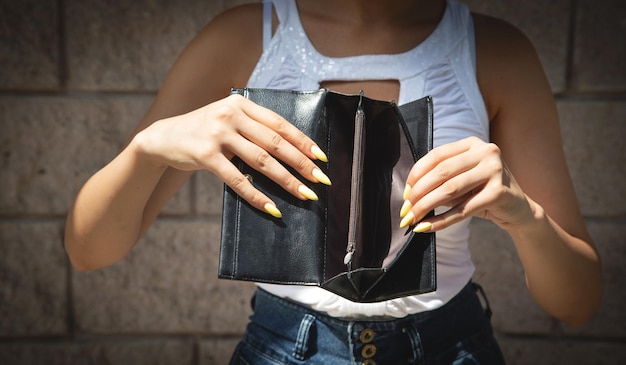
407 189
407 220
423 227
271 209
317 152
321 177
308 193
406 207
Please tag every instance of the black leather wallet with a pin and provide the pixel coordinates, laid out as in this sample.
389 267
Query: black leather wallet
348 241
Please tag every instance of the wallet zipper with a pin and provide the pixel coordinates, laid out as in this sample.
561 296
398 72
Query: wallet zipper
356 182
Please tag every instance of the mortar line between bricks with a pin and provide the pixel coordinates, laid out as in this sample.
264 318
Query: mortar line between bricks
591 96
62 45
615 219
555 327
112 338
195 351
77 94
193 188
155 335
571 45
34 218
71 317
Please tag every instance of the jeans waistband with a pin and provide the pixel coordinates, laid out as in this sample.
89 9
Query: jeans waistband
463 314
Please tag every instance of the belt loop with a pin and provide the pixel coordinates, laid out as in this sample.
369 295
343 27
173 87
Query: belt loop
479 289
416 342
302 341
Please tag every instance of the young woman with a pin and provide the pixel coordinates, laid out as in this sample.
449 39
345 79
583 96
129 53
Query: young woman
492 104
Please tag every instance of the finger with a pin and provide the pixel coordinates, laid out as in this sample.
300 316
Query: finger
484 178
260 160
445 170
230 174
471 204
450 193
283 150
434 157
460 209
284 128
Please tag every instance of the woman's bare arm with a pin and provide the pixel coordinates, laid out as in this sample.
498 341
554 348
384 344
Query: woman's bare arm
191 125
531 195
561 264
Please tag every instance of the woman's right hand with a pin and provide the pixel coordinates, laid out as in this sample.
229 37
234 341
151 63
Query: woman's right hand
208 137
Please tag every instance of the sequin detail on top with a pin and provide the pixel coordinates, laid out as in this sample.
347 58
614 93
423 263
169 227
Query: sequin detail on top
442 66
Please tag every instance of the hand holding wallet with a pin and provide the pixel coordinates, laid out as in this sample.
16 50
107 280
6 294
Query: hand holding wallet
348 241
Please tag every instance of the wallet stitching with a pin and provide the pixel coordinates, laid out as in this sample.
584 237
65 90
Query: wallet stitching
431 127
324 262
237 230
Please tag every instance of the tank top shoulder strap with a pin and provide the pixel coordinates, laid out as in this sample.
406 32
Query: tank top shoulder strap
267 23
471 38
284 8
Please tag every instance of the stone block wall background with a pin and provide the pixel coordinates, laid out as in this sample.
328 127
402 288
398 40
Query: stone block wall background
75 76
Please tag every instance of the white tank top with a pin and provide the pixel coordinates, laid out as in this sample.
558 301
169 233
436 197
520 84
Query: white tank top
442 66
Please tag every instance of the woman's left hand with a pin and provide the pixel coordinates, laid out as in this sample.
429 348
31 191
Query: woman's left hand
470 177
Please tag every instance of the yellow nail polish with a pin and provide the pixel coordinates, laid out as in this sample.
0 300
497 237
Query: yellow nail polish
407 220
407 189
321 177
317 152
406 207
308 193
423 227
271 209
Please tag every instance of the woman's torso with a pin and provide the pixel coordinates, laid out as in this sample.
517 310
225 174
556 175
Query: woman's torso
442 66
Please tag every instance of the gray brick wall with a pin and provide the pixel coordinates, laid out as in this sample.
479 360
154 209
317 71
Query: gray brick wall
75 76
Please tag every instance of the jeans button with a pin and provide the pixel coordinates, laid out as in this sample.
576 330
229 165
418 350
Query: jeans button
368 351
367 335
368 362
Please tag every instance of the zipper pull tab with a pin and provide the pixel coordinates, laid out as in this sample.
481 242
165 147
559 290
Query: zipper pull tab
347 259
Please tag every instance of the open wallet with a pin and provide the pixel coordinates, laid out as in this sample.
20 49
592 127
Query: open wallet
348 241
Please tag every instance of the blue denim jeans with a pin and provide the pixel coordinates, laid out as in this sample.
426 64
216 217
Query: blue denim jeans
284 332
